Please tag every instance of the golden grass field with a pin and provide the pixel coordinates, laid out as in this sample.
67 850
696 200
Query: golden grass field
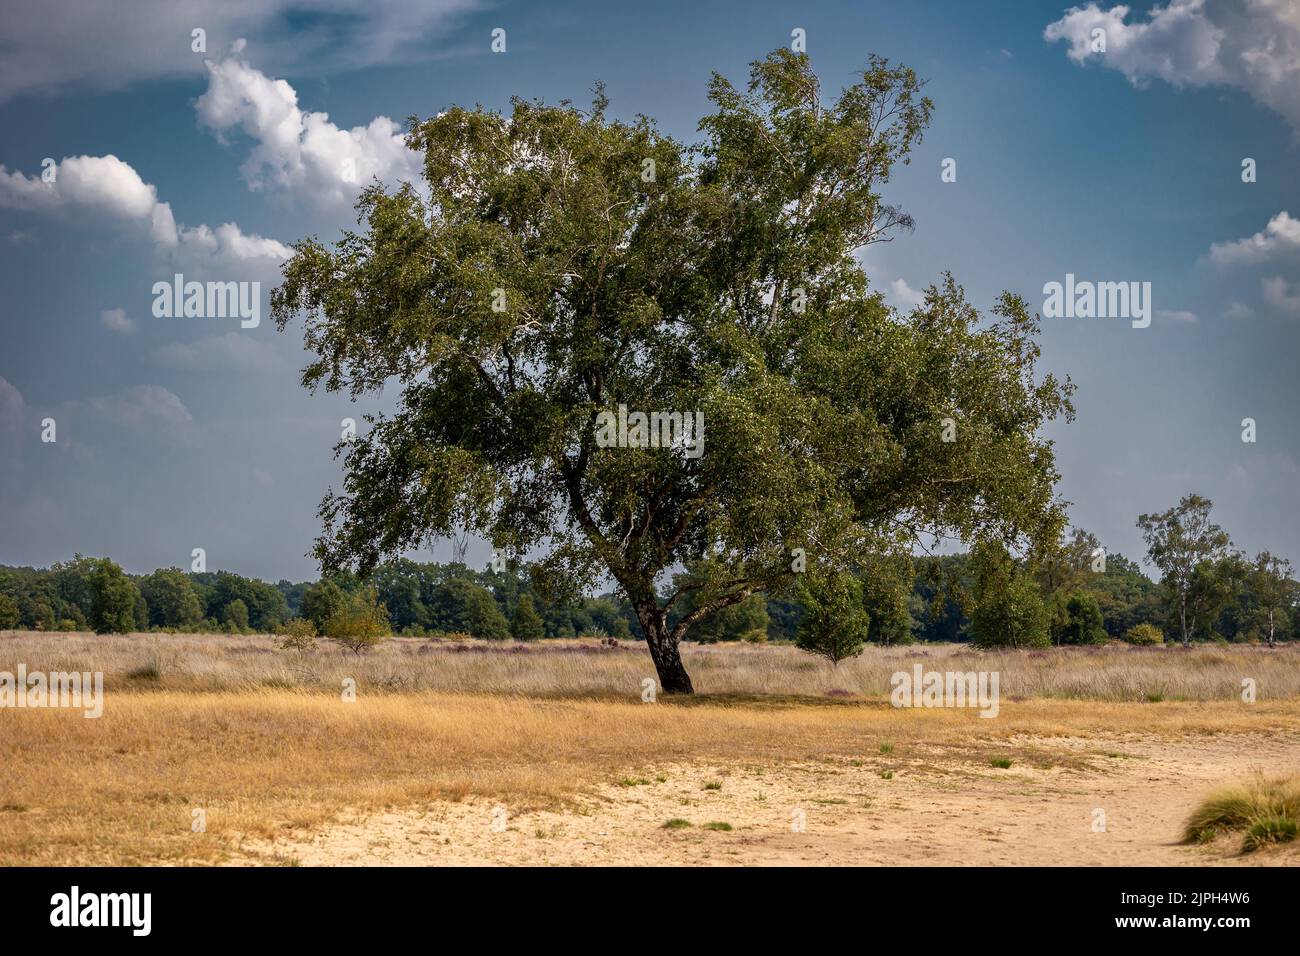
469 753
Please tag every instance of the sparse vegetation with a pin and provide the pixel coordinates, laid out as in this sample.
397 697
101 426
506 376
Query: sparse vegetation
1266 811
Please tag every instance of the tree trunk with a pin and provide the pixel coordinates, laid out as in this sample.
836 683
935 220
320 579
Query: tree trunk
1270 627
1182 616
663 648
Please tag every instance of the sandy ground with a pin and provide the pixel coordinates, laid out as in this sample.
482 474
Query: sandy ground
942 805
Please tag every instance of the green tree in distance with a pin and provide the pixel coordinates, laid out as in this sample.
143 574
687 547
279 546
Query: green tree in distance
565 263
1009 610
835 624
1184 544
526 625
1271 584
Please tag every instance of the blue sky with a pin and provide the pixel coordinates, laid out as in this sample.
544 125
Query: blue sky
181 433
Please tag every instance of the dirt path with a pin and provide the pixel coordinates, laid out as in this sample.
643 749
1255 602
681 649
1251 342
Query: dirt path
942 805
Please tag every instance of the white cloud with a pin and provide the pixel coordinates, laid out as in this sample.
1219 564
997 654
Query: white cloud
902 296
1281 235
1277 292
301 151
51 44
1239 310
1177 316
107 187
234 350
116 320
1251 45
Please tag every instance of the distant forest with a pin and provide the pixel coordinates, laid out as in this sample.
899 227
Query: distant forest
430 599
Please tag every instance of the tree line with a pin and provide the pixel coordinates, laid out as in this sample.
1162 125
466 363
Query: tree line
1068 592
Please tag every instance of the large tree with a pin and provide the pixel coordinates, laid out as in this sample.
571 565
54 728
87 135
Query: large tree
557 263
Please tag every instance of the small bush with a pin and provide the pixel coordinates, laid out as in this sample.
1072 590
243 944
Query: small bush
1002 763
676 823
724 827
1144 635
299 635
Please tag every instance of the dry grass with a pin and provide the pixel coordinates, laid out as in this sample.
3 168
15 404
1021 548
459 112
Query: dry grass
1267 810
261 740
584 668
121 789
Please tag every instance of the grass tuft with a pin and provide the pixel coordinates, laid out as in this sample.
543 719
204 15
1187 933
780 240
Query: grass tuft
1268 811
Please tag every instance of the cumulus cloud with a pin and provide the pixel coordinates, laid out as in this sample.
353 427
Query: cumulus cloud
145 410
1281 235
1176 316
1278 293
51 44
107 187
296 150
902 296
116 320
1251 45
234 350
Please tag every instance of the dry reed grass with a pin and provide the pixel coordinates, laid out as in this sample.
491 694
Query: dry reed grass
585 668
261 740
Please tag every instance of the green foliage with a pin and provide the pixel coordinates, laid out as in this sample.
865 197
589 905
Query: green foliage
299 635
235 616
171 599
526 625
360 623
1144 634
835 622
698 587
1009 612
728 283
321 602
1188 549
470 608
1127 597
9 614
1084 624
113 597
1272 590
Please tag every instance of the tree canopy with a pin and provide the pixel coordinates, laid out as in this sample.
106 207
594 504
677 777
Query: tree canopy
559 263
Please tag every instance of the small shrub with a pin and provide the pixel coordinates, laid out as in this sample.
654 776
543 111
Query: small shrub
1002 763
359 624
676 823
886 748
724 827
713 785
299 635
1144 635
